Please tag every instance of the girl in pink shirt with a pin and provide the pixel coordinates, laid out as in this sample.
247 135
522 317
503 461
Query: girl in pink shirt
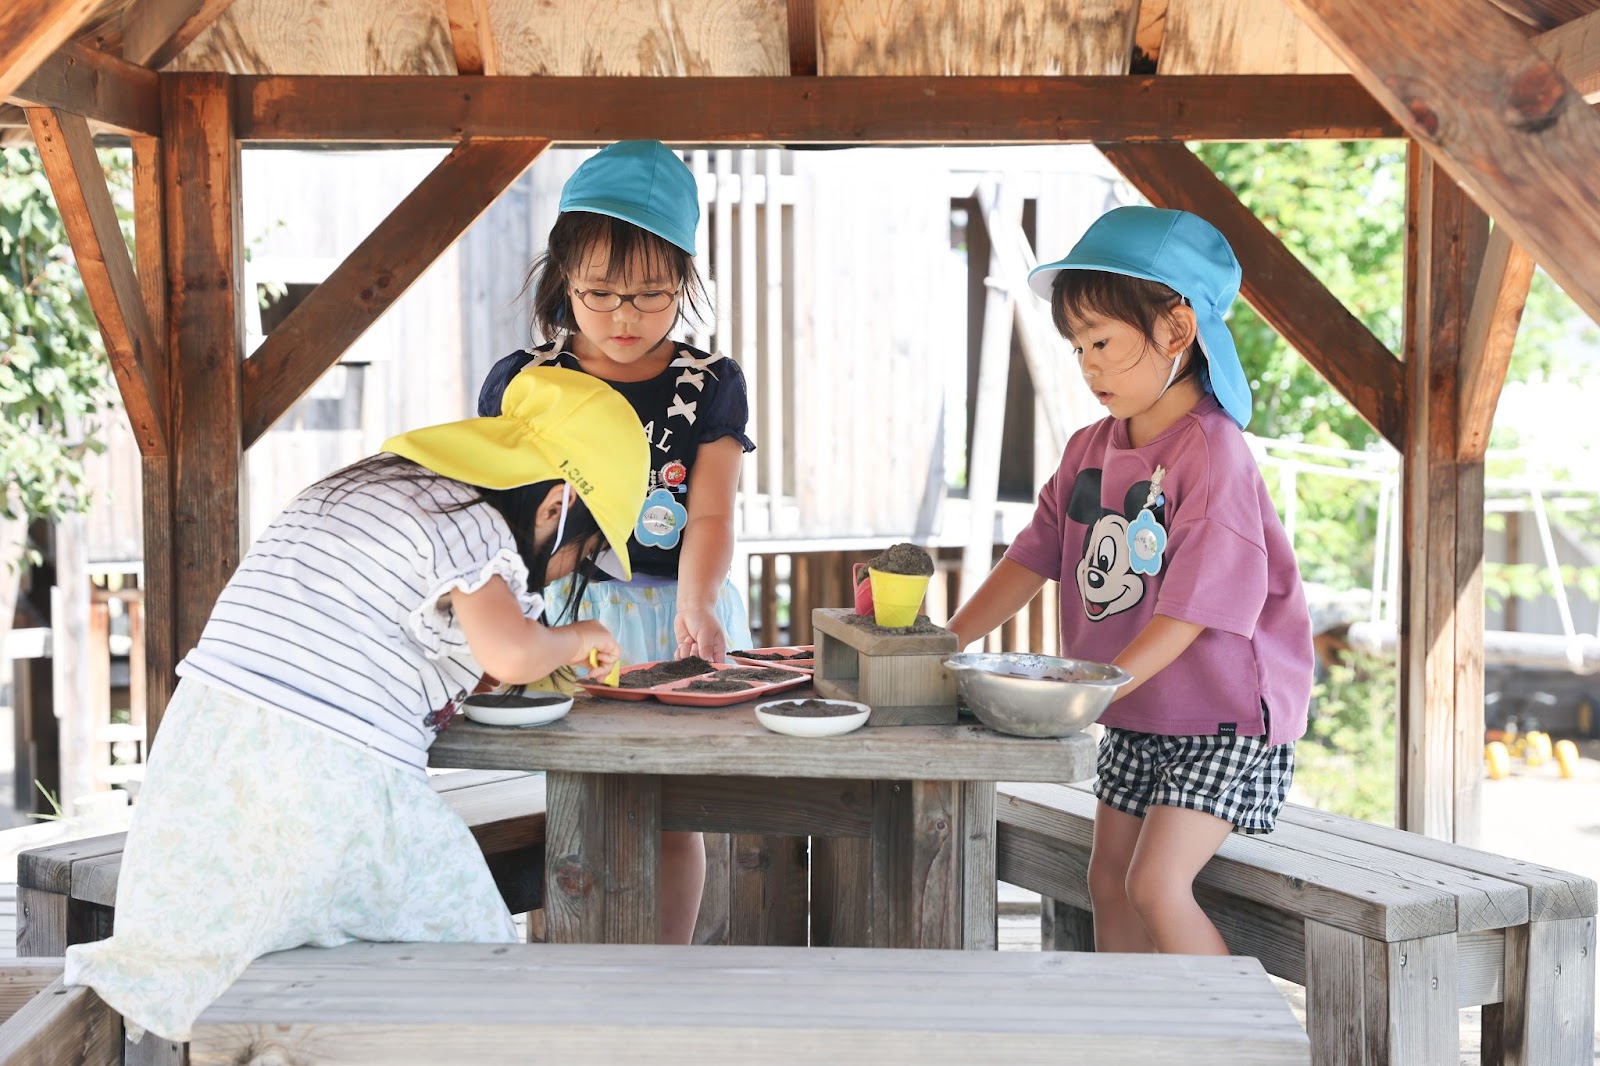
1173 565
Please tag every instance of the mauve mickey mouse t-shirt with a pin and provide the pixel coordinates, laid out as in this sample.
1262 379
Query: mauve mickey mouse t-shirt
1191 506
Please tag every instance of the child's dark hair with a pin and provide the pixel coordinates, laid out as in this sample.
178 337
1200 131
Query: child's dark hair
571 238
1078 295
517 506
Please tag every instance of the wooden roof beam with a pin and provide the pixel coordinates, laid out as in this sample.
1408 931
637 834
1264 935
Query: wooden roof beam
471 37
1489 109
1574 50
1287 295
1491 333
155 31
827 110
137 359
98 86
1149 36
30 30
803 38
317 332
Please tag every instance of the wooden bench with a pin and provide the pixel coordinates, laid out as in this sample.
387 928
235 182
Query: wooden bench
66 892
1390 932
409 1005
42 1022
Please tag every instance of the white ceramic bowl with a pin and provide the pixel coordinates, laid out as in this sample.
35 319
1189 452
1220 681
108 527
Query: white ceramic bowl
769 715
505 708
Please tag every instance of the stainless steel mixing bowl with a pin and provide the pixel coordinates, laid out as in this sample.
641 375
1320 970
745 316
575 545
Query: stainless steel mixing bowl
1035 695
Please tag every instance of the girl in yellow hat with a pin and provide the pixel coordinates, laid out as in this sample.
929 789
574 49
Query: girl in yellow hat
616 279
286 800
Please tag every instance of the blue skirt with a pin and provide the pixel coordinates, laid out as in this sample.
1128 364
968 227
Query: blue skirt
640 614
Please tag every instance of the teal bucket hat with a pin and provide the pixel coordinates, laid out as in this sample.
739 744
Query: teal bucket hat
642 182
1184 252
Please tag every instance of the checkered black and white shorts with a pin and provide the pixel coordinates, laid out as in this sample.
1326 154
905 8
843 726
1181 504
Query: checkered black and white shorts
1242 780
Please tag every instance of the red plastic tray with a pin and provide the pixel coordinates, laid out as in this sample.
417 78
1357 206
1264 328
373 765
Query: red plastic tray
670 692
808 663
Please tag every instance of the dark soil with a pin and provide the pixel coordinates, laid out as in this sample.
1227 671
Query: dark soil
662 673
515 699
920 626
774 656
721 683
811 709
764 675
900 559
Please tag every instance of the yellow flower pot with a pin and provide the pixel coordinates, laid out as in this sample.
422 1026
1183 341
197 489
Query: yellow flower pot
896 598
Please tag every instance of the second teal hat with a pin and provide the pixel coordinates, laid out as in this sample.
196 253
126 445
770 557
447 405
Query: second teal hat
1187 254
642 182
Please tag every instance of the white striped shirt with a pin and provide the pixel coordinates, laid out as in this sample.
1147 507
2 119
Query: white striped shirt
334 613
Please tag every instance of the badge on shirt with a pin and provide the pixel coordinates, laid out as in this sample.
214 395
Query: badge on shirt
1146 539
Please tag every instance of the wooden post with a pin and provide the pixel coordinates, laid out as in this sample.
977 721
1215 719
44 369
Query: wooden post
156 655
197 525
999 200
69 638
1440 734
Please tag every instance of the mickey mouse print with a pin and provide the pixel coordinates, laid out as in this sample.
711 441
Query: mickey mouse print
1110 572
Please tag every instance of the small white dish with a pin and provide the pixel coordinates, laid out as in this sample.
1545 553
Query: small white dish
831 726
506 708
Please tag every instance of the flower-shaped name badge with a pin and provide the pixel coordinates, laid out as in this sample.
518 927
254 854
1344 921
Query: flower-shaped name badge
1146 541
661 522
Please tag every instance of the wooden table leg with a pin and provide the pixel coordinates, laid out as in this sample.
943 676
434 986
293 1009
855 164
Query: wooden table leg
602 857
917 875
980 904
1548 1011
924 878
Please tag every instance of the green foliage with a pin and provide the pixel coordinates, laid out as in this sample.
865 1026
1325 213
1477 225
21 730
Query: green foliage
1340 207
54 378
1346 761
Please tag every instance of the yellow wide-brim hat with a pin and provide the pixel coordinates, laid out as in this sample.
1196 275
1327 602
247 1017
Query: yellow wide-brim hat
553 424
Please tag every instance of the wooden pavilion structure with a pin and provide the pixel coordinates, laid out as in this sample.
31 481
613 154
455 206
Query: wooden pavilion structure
1491 95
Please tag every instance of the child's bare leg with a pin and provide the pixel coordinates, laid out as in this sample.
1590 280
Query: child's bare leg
1116 924
1175 844
683 878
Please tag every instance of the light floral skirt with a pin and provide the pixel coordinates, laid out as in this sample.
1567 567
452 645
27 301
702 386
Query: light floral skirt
257 832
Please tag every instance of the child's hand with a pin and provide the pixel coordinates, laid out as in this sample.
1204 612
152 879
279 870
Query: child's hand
596 639
699 633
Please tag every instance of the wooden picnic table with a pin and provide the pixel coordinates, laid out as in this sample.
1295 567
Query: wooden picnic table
902 818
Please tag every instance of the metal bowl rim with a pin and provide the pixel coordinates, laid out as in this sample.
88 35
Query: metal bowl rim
975 661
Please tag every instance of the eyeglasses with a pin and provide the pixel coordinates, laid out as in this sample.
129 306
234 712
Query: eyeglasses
644 302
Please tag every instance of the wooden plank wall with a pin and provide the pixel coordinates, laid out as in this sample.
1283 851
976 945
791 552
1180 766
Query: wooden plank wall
605 37
914 37
869 392
751 37
1242 37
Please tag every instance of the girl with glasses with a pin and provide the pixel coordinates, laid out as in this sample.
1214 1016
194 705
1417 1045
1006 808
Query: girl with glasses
617 276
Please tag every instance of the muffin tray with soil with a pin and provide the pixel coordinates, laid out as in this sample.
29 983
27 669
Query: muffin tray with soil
694 682
795 656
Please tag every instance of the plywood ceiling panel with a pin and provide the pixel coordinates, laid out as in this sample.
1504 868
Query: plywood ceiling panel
969 37
1242 37
726 38
325 37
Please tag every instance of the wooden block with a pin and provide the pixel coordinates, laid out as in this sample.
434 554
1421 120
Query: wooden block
835 622
901 676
